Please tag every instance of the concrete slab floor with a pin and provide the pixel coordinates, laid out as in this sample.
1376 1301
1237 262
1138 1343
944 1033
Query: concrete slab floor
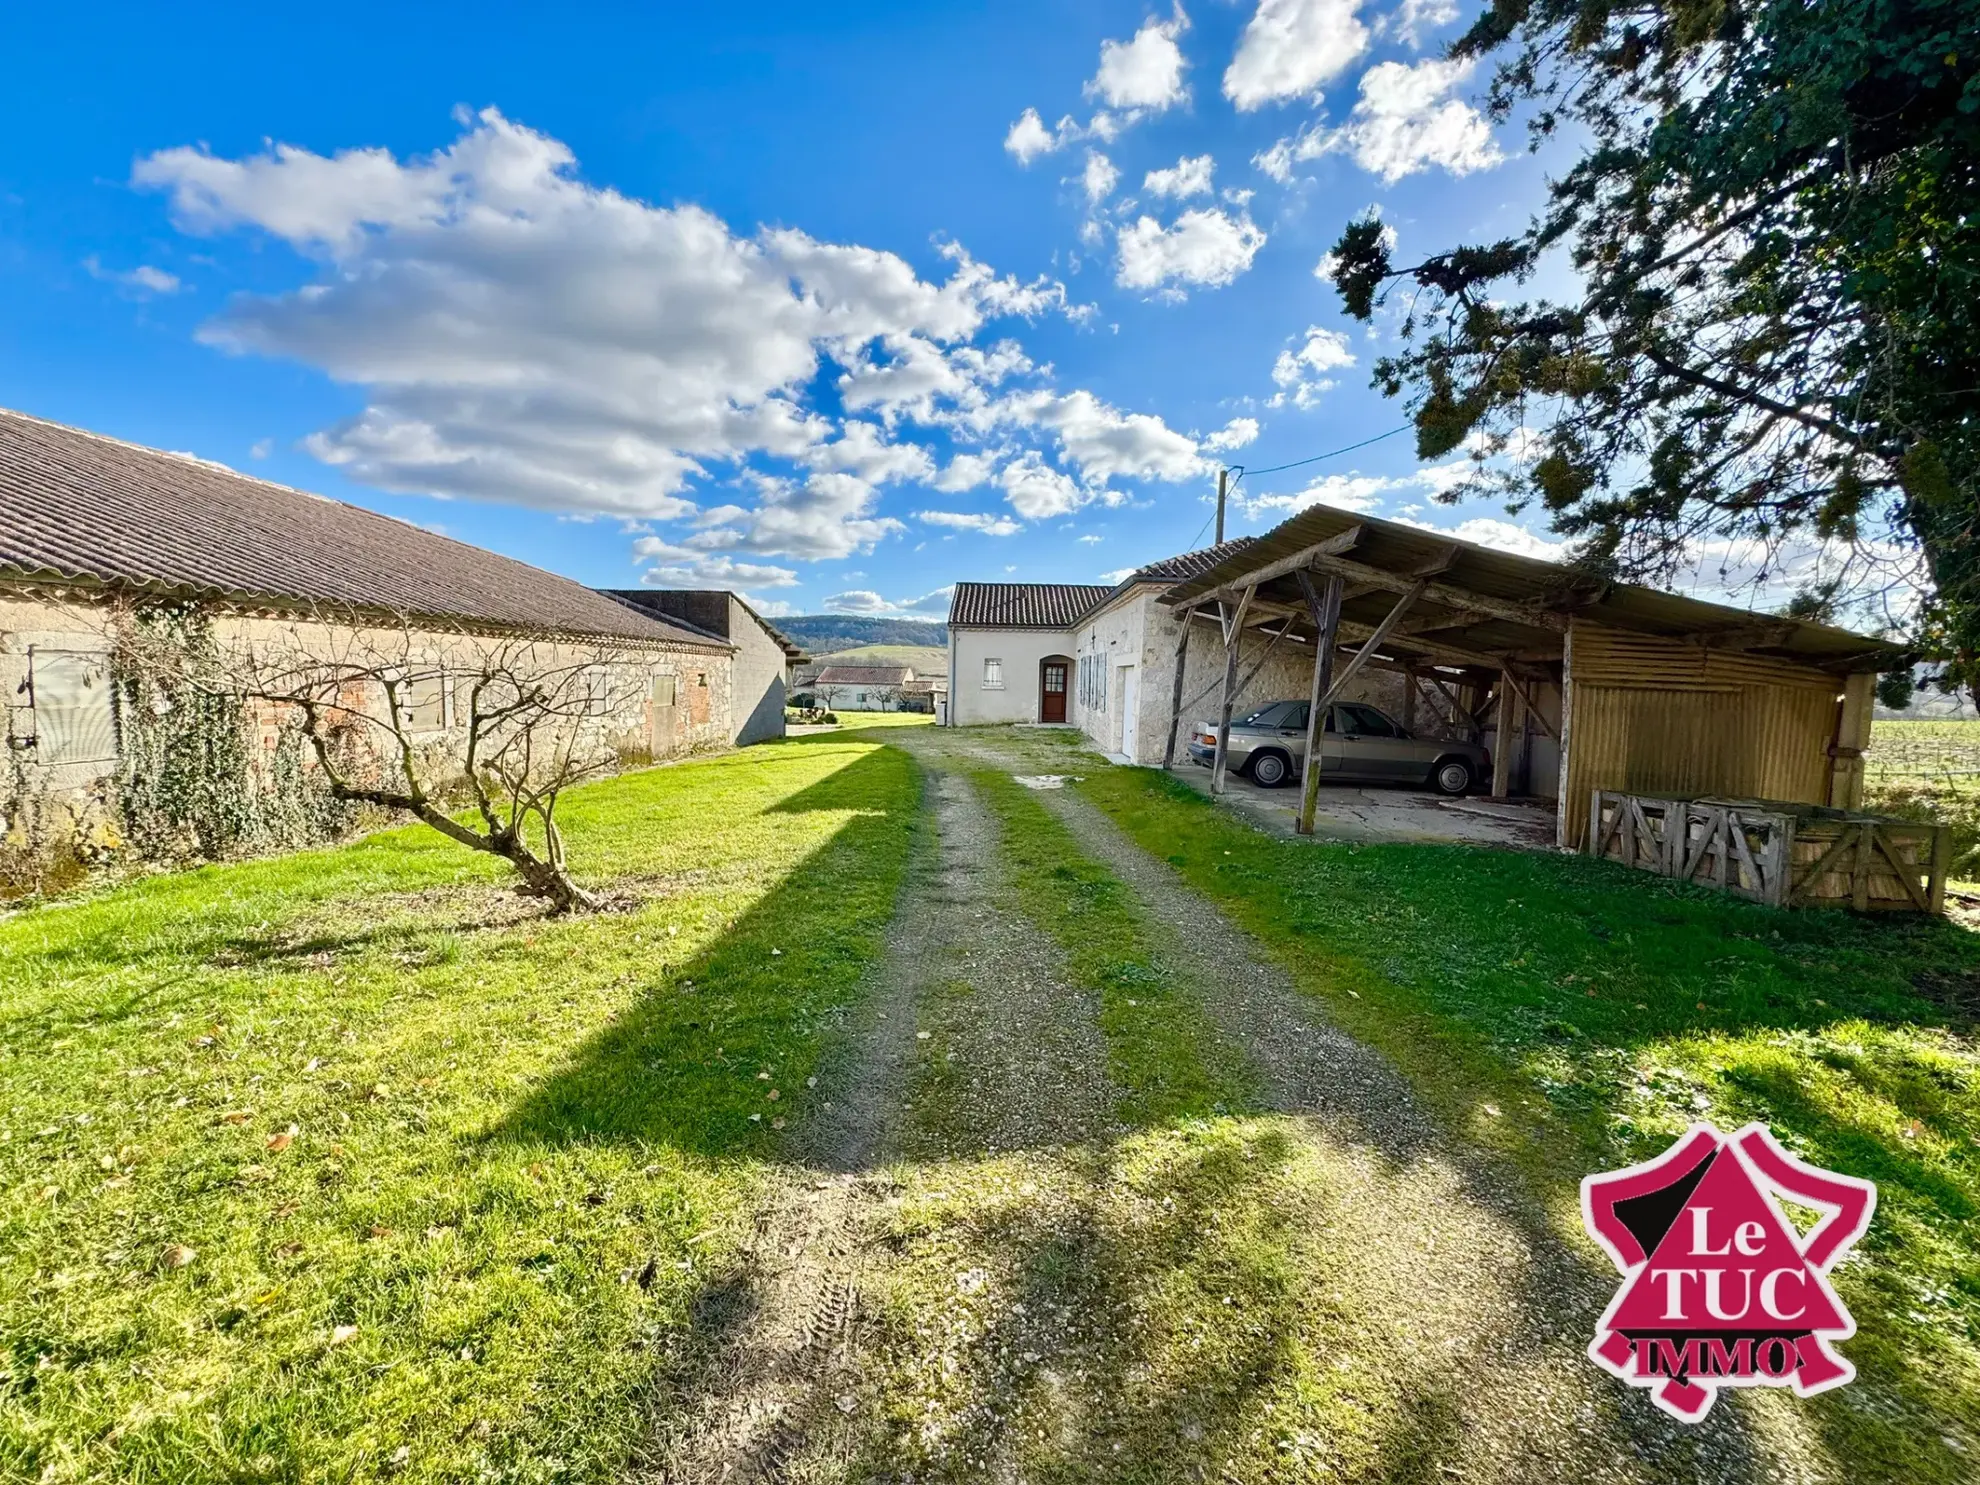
1353 812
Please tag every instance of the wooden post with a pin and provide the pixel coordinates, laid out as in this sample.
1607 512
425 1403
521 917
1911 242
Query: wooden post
1563 833
1506 726
1175 693
1852 737
1325 608
1233 632
1941 866
1409 699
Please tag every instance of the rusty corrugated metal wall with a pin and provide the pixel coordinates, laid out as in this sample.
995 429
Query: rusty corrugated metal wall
1658 716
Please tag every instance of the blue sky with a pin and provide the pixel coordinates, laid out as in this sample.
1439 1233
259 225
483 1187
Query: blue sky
834 305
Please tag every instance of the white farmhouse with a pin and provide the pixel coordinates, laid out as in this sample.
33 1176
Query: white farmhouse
1103 659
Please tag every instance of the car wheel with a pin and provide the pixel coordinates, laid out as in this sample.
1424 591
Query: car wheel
1269 770
1452 776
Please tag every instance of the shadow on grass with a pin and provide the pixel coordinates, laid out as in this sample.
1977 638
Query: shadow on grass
682 1067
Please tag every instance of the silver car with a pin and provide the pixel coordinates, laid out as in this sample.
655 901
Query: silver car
1361 744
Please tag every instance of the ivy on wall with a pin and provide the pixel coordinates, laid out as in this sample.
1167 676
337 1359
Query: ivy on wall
195 779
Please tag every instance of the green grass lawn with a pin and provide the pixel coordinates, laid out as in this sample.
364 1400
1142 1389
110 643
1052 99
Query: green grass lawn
350 1164
1577 1016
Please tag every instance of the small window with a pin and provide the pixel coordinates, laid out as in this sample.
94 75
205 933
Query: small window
598 691
424 701
993 675
663 690
75 717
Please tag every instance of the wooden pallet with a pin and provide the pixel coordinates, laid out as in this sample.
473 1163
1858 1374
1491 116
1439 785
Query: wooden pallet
1785 855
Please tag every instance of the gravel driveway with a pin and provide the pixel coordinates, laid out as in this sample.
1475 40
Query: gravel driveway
965 1269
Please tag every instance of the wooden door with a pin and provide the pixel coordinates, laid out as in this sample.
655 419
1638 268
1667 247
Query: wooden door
1052 705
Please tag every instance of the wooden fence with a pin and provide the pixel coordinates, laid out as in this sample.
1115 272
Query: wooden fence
1785 855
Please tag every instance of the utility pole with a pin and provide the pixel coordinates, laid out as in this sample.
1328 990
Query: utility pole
1223 483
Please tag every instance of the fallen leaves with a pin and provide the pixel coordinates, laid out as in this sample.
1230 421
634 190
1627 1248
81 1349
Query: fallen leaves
177 1255
281 1141
343 1334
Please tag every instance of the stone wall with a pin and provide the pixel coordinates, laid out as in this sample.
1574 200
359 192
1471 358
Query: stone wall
71 749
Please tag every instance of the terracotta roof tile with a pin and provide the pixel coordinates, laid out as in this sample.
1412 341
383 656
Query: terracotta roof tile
1022 605
79 506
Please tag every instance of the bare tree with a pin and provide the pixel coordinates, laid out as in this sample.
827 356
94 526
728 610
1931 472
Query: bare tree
827 697
425 722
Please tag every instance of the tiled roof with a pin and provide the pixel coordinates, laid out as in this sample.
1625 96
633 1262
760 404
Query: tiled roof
1061 605
1022 605
78 506
862 675
1189 564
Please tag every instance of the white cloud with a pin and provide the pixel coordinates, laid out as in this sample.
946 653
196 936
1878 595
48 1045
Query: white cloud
773 608
1418 18
959 520
1292 49
1107 443
683 567
965 472
1233 435
1119 574
1145 73
141 282
1204 247
865 601
1355 492
1500 536
519 334
261 448
522 335
1091 540
1301 375
1406 121
1029 138
1189 176
1037 491
1099 178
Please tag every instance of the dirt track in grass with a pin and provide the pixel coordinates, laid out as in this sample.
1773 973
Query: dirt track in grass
971 1268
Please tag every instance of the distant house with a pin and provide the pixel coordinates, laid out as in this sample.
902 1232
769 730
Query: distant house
97 536
862 688
926 694
764 657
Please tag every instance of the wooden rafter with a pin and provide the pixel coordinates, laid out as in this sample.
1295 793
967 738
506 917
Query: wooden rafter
1445 595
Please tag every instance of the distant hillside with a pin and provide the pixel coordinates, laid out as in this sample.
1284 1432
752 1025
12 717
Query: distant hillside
826 634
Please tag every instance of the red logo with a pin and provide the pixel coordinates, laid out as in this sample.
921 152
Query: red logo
1719 1289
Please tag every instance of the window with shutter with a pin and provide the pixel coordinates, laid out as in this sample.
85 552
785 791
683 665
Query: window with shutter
75 712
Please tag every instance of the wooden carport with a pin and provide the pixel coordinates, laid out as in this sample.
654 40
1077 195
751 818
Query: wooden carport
1646 689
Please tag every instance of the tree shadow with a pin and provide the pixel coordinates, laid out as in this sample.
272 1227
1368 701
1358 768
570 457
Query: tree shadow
681 1067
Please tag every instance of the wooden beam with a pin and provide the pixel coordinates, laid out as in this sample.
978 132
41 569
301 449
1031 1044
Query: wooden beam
1442 562
1852 736
1445 595
1745 636
1176 690
1333 546
1460 713
1531 710
1325 608
1233 632
1503 752
1323 696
